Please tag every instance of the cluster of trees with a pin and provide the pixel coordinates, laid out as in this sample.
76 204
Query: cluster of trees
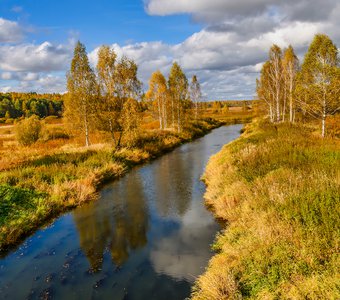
223 106
312 88
17 105
171 99
109 97
104 98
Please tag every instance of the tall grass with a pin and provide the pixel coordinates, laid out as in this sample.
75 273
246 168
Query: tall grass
277 187
40 186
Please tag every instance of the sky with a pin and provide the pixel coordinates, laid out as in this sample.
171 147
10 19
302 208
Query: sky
223 42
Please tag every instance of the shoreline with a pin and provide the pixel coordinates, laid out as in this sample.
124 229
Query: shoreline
122 162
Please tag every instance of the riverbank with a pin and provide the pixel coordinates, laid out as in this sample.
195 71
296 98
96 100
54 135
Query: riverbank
41 188
277 189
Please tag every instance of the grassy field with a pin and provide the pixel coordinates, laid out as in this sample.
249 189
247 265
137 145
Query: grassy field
234 115
277 190
39 182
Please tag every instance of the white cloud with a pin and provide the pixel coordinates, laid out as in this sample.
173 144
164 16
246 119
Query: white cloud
10 31
298 34
30 82
226 54
210 10
215 11
21 76
35 58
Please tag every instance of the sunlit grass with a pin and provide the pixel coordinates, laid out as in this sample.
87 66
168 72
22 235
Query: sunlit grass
278 189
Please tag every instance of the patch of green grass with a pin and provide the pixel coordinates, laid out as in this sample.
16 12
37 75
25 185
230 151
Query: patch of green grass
19 208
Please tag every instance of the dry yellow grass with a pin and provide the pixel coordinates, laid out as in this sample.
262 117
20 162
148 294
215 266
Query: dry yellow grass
277 188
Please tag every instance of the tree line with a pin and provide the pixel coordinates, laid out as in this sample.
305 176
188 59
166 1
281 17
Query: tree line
110 97
18 105
312 88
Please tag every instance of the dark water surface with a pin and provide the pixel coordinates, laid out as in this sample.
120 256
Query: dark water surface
147 237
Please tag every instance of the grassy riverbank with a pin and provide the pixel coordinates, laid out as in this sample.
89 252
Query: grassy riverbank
277 188
41 187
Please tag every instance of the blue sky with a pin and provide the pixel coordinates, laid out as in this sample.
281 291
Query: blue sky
96 22
223 42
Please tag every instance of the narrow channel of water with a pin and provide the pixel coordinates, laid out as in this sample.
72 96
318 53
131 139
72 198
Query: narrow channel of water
147 237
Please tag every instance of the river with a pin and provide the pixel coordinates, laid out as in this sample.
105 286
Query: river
147 237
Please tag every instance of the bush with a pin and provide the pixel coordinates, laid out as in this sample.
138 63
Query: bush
28 131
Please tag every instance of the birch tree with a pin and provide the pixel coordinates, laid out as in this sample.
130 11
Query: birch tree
82 89
108 112
118 84
127 87
290 64
318 87
178 86
265 88
158 94
275 74
195 93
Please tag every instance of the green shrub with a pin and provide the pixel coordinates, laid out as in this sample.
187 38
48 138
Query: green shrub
28 131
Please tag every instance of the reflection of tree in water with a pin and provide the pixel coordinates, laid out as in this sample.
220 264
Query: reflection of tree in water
119 221
172 183
131 220
94 228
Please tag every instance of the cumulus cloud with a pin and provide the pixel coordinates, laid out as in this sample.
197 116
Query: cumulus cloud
238 34
10 31
32 82
34 58
226 62
214 11
226 53
22 76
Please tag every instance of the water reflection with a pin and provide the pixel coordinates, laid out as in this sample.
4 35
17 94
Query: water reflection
172 184
119 223
184 253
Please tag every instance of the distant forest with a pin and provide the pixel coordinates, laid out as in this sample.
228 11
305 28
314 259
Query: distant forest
23 105
17 105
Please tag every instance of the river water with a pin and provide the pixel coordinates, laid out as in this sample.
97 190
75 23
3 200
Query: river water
147 237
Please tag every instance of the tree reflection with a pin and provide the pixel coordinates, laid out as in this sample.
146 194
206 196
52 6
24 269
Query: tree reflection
173 183
119 222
